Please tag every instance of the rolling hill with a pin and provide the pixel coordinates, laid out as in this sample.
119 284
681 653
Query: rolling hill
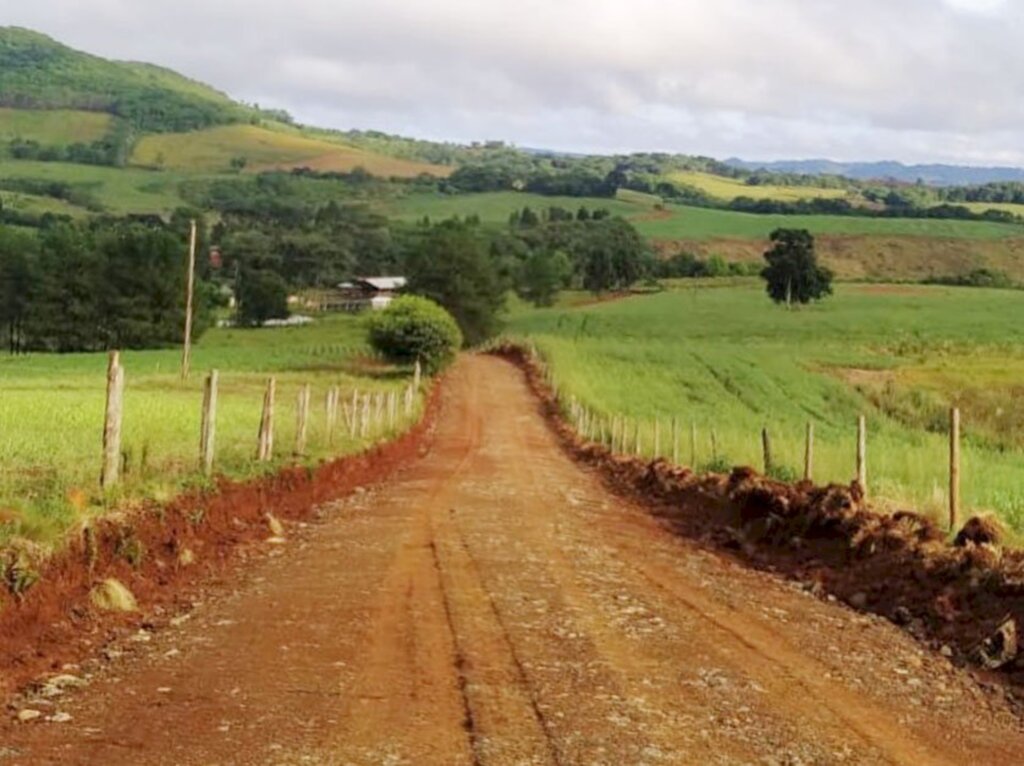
37 72
259 148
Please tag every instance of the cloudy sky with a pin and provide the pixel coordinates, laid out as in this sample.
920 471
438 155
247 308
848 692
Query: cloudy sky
914 80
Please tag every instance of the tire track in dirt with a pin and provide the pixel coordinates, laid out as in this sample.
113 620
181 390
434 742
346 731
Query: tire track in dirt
496 605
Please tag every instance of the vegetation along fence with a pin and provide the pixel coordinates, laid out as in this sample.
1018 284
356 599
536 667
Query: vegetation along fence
684 441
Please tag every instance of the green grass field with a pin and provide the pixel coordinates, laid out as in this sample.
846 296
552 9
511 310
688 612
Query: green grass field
496 207
693 223
728 360
120 190
53 127
36 205
678 222
51 416
730 188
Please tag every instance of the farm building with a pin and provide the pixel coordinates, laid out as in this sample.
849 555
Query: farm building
373 293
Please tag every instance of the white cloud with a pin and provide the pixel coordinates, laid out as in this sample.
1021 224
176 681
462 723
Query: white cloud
914 79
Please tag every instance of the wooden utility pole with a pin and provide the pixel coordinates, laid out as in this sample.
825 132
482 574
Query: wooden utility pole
208 428
111 471
809 453
862 454
954 469
186 352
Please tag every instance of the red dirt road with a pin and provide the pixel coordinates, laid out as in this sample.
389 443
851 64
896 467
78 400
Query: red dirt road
495 604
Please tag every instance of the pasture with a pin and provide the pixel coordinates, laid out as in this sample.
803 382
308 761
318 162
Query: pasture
53 127
52 406
119 190
731 363
728 189
264 148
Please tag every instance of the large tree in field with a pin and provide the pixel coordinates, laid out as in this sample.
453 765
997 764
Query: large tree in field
452 266
793 274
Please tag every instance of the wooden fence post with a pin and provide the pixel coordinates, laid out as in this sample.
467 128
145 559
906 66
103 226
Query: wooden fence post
208 427
417 377
302 419
954 469
112 421
809 453
353 423
675 440
693 445
766 447
378 412
265 450
364 430
392 409
714 446
637 443
333 395
408 400
657 438
862 454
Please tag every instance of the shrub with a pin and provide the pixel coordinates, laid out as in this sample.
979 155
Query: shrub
414 328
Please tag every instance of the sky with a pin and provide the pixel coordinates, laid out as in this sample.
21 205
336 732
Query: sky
911 80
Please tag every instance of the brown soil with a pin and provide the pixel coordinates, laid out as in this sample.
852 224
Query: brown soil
495 603
55 624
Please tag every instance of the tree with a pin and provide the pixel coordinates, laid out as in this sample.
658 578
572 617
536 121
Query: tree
414 328
613 255
451 265
262 295
543 275
793 273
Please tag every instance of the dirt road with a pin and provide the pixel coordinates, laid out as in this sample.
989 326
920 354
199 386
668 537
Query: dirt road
494 604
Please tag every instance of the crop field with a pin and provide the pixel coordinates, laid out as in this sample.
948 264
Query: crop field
53 127
263 149
1005 207
51 416
730 188
732 363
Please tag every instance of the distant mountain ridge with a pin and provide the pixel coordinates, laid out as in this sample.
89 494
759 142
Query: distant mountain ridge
931 174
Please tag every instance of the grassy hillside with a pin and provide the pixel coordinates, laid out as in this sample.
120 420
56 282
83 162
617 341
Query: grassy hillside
38 72
729 189
119 190
691 223
496 207
262 148
727 359
55 127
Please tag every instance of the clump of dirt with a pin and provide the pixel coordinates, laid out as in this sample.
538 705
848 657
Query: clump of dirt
964 597
161 553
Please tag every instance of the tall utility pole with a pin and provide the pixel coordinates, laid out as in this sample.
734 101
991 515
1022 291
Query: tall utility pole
187 349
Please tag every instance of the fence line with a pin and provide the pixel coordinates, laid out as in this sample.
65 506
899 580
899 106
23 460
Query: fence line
623 436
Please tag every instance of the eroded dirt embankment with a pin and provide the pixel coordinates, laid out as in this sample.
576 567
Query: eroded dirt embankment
164 552
965 598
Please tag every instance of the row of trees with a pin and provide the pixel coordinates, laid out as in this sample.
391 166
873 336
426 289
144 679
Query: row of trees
90 287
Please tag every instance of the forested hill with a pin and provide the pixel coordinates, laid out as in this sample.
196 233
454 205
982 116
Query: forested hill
37 72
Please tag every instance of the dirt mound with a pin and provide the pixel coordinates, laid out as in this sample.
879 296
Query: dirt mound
961 597
161 553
